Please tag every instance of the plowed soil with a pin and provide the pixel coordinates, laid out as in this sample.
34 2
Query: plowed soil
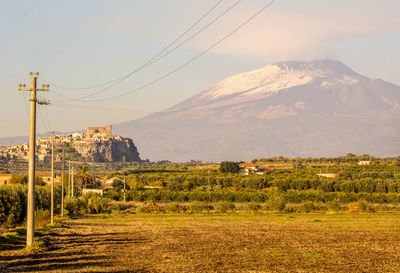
216 243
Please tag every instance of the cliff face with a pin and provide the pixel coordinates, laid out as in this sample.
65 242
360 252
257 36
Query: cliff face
111 150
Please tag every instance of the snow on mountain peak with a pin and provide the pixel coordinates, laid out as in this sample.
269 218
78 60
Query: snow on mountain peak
274 78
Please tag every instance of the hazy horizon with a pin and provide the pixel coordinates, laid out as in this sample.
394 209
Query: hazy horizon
85 43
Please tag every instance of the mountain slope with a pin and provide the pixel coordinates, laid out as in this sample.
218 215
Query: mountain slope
318 108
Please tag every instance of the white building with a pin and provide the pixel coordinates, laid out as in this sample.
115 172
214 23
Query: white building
364 162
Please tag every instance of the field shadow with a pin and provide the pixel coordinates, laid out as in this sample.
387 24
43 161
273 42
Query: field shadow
68 252
42 262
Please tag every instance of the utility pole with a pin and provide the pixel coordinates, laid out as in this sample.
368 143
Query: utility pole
124 188
62 182
209 186
72 181
30 222
69 179
52 180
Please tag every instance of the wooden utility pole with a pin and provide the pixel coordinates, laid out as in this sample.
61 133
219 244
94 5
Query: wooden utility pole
52 181
72 181
209 186
124 189
30 222
62 182
69 178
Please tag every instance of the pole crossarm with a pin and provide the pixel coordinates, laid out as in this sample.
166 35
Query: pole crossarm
30 89
34 76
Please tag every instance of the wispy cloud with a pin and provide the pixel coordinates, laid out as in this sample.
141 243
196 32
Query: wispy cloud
278 32
292 35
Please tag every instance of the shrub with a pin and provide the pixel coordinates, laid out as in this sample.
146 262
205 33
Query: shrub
39 244
116 207
359 206
175 207
333 205
42 218
201 206
196 207
208 207
149 207
276 202
143 209
362 205
74 206
254 206
97 204
224 207
307 207
12 204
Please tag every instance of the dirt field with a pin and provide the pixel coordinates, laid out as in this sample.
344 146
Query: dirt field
217 243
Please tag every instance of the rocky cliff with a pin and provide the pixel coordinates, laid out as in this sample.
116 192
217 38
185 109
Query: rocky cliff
110 150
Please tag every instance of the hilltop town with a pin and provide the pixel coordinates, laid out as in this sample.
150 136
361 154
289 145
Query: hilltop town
97 144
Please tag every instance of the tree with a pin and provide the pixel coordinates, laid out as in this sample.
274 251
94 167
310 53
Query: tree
229 167
118 184
84 178
17 179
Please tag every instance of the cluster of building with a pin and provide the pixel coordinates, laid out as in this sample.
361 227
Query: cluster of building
43 144
14 152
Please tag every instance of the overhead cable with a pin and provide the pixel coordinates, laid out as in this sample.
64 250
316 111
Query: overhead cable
115 81
188 62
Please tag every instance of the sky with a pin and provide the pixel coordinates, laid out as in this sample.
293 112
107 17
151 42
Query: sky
79 44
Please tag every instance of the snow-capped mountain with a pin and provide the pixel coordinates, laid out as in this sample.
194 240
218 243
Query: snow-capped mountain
304 85
318 108
275 78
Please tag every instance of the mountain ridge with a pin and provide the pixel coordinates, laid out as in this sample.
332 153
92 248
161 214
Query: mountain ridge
294 108
327 94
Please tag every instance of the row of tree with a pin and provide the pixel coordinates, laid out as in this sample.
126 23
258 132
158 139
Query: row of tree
82 180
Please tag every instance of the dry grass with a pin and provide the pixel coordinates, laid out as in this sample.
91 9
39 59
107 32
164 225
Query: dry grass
218 243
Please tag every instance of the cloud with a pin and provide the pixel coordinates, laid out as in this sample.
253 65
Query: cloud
295 35
281 32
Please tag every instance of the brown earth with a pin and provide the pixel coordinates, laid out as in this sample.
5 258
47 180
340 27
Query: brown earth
216 243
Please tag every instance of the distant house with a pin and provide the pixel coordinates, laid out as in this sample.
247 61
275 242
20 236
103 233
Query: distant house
250 168
328 175
46 176
97 191
108 184
364 162
5 179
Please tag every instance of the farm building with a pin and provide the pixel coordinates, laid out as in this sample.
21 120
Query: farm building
5 179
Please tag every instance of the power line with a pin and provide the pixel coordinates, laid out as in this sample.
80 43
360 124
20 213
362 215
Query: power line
47 114
25 103
191 60
43 113
43 122
115 81
159 57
